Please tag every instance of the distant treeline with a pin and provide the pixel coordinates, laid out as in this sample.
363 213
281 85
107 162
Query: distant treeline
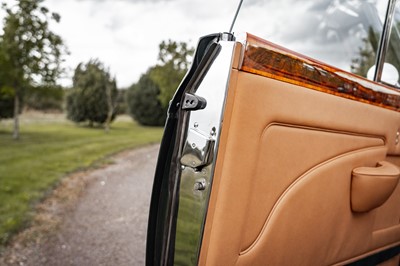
31 57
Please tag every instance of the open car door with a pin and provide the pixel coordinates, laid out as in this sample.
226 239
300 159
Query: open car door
272 158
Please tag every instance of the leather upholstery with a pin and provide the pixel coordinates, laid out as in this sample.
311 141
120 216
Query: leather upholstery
372 186
282 184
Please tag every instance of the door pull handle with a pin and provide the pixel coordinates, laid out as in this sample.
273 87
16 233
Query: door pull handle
372 186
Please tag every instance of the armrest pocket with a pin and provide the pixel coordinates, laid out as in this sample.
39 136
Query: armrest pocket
372 186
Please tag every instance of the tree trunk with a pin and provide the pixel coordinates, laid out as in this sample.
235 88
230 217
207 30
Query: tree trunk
16 117
110 108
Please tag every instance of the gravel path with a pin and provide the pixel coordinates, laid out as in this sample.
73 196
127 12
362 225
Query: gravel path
107 225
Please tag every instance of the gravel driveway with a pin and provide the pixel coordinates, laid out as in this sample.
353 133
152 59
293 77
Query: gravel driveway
107 225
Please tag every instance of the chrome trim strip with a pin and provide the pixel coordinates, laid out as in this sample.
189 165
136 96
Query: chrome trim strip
199 155
175 172
384 41
163 213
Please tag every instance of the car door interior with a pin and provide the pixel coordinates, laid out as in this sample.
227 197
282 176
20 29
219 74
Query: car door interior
307 167
272 158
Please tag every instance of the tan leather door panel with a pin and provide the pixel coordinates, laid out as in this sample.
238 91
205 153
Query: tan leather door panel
285 156
281 193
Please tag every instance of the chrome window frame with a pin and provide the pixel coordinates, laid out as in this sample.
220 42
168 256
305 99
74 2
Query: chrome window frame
384 41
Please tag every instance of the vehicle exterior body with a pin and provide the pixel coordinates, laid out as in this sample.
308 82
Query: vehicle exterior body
270 157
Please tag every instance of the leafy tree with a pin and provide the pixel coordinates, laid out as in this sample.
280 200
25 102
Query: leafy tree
143 101
6 102
148 99
45 98
174 60
30 53
366 55
93 95
122 107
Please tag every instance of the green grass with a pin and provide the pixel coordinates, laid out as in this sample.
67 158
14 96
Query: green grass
48 149
190 219
189 222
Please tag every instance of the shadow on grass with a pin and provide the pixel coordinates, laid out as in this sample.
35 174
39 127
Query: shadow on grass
5 132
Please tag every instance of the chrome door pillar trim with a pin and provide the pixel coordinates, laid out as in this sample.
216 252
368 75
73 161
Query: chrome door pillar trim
204 79
199 154
163 198
384 41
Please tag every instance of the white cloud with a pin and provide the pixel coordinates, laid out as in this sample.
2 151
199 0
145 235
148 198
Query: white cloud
329 31
125 34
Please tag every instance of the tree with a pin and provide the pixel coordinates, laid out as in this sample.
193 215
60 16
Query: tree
143 101
30 53
45 98
93 96
366 54
122 107
6 102
174 60
148 99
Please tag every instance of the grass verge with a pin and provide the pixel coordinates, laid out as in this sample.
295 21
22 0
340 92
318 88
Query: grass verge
47 150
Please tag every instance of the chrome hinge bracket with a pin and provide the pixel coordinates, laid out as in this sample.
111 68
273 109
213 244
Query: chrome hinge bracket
198 150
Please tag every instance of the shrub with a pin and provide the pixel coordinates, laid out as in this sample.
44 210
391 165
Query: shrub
45 98
93 95
144 104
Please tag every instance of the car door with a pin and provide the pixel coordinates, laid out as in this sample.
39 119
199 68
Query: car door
270 157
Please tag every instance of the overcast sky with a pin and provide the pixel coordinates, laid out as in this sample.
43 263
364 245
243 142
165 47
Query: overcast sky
124 34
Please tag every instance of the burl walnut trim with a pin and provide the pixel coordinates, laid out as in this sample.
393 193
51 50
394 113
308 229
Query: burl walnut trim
267 59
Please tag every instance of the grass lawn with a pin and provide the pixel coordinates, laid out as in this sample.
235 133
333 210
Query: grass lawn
49 148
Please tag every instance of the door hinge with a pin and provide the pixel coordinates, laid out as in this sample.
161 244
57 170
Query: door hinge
198 150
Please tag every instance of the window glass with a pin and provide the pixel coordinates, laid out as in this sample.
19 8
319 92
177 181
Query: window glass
391 68
344 34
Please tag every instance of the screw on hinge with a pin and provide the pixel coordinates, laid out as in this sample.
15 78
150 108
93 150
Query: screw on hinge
200 184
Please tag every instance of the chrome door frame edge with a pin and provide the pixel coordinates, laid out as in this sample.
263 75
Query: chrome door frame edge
211 54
